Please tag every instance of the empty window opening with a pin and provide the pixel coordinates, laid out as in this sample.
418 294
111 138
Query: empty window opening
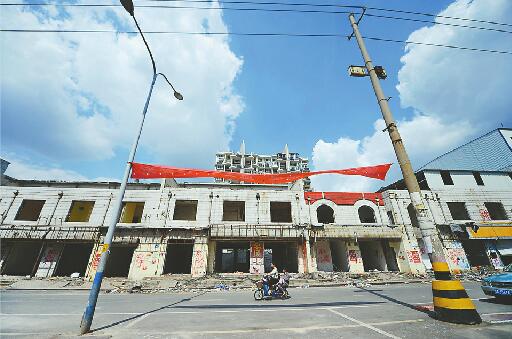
339 256
458 210
282 254
496 210
74 259
373 256
390 255
233 211
185 210
391 218
478 179
178 258
412 216
80 211
30 210
132 212
447 178
232 257
366 215
22 258
475 252
280 211
119 260
325 214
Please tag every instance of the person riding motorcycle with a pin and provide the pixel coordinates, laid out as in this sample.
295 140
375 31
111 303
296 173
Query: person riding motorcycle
284 281
273 275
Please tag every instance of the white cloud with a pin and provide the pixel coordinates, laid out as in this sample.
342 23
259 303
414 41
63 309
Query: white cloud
459 94
80 96
22 169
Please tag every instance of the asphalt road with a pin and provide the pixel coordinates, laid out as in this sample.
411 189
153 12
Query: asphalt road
335 312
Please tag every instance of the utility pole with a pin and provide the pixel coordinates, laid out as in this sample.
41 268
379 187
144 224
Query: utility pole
447 309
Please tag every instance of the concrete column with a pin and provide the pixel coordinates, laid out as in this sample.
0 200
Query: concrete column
49 260
200 257
148 258
257 258
94 260
355 260
323 256
212 249
312 256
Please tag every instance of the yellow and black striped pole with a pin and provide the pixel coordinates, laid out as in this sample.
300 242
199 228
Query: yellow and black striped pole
451 302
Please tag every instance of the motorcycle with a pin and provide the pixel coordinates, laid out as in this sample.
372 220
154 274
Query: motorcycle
263 291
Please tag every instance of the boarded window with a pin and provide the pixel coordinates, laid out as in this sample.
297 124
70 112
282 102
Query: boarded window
458 210
280 211
132 212
185 210
30 210
478 179
80 211
325 214
233 211
366 215
447 178
496 210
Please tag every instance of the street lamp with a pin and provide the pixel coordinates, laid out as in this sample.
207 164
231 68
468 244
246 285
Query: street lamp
105 247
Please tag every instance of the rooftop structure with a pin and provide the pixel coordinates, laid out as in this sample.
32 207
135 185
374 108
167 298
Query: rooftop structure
252 163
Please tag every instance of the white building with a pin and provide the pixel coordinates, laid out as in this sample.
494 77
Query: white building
244 162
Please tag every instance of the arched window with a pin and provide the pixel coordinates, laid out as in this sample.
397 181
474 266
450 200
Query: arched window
325 214
366 215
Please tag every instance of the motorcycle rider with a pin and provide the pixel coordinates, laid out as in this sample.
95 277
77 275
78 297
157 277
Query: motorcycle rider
273 275
284 281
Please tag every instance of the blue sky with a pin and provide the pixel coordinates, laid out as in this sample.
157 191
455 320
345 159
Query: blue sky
71 102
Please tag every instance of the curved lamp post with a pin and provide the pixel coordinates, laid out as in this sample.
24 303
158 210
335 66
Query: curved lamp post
105 247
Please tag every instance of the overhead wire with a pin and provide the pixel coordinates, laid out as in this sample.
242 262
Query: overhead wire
262 9
312 35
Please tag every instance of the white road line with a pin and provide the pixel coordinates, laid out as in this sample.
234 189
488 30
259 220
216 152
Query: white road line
275 309
365 325
135 321
498 313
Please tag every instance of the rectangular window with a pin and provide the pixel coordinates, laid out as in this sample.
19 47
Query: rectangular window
496 210
447 178
185 210
29 210
233 211
391 218
458 210
280 211
478 179
132 212
80 211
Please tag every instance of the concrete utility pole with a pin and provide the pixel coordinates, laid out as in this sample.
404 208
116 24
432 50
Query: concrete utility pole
451 302
428 231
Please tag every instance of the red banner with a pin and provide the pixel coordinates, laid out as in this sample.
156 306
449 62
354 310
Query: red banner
143 171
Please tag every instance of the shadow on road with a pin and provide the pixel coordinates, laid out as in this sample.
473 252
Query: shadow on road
497 301
148 312
271 304
402 303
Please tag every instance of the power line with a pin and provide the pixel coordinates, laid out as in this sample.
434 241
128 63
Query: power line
311 35
261 9
343 6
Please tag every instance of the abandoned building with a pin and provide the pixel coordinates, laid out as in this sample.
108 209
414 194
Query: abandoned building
51 228
252 163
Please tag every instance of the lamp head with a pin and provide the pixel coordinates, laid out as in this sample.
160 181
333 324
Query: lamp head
128 6
178 95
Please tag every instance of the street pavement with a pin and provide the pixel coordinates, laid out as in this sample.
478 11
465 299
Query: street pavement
328 312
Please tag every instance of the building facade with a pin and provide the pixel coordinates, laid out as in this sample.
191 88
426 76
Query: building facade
252 163
57 228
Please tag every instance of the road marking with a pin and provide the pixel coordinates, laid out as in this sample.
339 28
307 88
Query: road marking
300 330
135 321
365 325
275 309
498 313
